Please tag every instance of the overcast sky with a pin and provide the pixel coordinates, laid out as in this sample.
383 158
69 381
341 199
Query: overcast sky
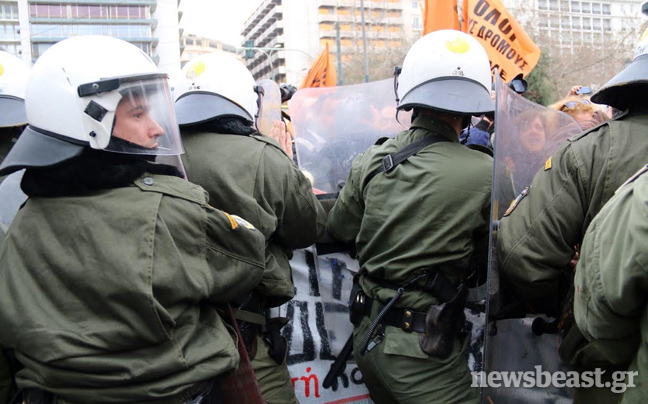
217 19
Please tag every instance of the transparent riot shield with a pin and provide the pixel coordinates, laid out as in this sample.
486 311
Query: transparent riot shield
270 106
526 135
11 198
332 125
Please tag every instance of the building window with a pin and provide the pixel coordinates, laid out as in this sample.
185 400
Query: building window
564 5
553 5
9 32
576 23
39 48
542 4
587 23
416 22
587 8
65 30
9 11
575 7
12 48
415 5
606 9
596 8
87 11
597 24
607 25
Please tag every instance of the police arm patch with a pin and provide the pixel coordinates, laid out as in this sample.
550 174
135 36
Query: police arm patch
516 201
239 221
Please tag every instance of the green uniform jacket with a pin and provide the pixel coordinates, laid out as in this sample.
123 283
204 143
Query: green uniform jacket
110 296
536 242
431 211
252 177
611 300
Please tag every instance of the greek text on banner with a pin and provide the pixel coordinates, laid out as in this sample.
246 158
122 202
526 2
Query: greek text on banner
509 48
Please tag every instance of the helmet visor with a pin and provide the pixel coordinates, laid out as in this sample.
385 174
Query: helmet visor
144 120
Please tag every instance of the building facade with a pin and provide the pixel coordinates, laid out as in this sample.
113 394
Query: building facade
570 24
193 45
292 33
29 27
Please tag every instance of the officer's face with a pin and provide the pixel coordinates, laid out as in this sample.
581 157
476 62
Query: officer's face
134 123
533 137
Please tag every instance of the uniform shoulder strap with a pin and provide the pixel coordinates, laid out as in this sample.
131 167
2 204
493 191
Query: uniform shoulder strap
392 160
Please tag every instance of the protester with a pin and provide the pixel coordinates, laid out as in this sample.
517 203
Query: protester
586 113
115 270
536 240
426 218
251 175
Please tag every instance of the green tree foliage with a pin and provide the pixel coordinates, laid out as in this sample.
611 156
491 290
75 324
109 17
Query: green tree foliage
540 88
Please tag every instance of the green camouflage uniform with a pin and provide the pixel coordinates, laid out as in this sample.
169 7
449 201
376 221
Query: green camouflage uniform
252 177
610 304
113 294
431 211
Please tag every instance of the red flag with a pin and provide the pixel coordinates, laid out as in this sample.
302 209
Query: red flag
322 73
440 14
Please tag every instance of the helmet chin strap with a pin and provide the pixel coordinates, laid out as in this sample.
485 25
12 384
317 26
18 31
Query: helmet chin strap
397 72
260 93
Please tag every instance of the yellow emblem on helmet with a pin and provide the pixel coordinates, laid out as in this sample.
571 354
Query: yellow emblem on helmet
1 70
459 45
195 69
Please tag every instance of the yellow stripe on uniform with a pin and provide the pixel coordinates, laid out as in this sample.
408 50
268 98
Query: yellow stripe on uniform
548 164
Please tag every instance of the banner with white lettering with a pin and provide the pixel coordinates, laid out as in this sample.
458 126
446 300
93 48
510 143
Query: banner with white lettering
311 348
319 326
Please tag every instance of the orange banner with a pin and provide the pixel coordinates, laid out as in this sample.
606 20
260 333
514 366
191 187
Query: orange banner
322 73
440 14
509 48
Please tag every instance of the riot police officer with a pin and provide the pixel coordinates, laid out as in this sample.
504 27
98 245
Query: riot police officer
536 242
251 175
419 226
610 303
113 271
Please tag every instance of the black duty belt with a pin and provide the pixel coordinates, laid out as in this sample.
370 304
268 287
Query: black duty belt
406 319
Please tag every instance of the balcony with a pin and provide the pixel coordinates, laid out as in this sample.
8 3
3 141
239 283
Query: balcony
263 11
252 32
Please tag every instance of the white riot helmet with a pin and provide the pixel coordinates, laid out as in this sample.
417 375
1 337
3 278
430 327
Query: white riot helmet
99 92
216 85
445 70
14 74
